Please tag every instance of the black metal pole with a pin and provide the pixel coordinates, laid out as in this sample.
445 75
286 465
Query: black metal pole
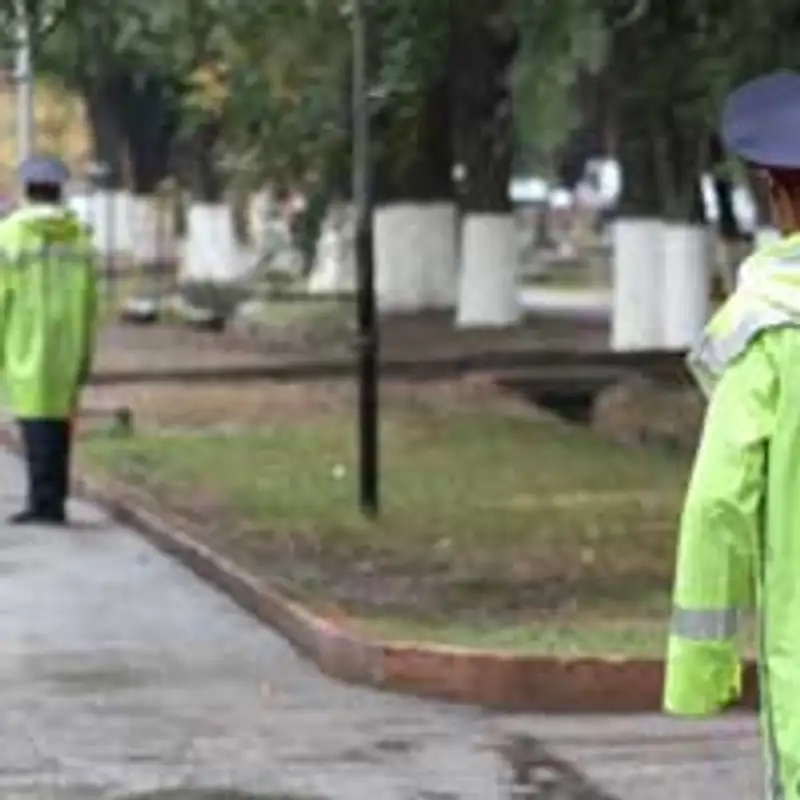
367 344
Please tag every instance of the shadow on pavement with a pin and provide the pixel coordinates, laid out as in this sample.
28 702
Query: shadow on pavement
213 794
536 775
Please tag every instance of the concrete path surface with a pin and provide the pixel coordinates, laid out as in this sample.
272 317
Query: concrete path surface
547 301
123 676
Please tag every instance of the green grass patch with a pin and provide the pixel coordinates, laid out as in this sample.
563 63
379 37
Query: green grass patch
285 312
577 636
488 522
639 636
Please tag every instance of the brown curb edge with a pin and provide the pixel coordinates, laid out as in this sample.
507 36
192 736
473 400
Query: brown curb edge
495 680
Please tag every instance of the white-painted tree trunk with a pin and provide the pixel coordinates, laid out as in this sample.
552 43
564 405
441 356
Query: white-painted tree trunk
271 241
211 251
261 208
637 280
153 231
334 270
110 216
488 291
81 203
687 272
115 208
416 256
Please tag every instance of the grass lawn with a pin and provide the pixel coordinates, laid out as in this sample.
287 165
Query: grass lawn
642 635
582 634
497 530
282 312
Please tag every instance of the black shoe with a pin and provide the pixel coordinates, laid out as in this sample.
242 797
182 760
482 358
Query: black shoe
36 518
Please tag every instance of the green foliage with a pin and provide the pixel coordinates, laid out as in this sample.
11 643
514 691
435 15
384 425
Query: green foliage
556 41
97 40
283 95
43 18
272 76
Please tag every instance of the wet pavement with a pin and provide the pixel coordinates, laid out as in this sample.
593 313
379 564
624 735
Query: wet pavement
124 677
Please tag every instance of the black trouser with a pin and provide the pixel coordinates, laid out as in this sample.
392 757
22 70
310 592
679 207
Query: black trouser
47 452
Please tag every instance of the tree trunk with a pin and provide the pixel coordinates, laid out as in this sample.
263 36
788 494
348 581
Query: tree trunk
590 138
108 139
484 45
661 247
641 195
415 219
729 228
213 252
203 175
422 171
485 42
329 217
637 245
687 243
149 116
682 157
106 205
150 120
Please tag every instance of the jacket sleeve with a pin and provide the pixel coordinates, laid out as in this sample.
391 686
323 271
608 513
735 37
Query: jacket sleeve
719 531
7 254
91 308
92 312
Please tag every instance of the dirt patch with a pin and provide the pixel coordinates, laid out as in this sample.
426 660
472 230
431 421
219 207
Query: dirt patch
640 411
292 336
229 407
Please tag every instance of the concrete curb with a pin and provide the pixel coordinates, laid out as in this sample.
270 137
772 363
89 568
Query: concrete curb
496 680
490 679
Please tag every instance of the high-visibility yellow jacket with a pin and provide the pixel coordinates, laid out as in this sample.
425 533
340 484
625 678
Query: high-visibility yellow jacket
739 544
48 308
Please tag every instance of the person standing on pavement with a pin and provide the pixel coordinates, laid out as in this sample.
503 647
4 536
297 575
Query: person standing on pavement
48 306
739 545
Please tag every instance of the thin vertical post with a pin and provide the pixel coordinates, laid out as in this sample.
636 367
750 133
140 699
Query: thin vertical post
367 344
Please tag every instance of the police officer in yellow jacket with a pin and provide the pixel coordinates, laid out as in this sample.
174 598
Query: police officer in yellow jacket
47 321
739 548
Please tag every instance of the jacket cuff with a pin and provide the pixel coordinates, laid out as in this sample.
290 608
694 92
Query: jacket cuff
701 678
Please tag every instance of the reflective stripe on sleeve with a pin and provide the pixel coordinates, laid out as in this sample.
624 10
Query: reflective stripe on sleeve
715 352
767 296
705 624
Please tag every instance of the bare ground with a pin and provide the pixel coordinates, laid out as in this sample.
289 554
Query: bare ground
311 333
229 407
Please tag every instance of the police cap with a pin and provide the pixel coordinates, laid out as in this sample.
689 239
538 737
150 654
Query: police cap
761 121
44 170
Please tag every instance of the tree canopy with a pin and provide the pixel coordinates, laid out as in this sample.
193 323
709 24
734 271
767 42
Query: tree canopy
255 90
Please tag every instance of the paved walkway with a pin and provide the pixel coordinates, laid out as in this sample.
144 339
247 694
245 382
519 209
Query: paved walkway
122 676
588 303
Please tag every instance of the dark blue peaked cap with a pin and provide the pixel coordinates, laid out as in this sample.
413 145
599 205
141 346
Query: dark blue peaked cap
761 121
43 170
